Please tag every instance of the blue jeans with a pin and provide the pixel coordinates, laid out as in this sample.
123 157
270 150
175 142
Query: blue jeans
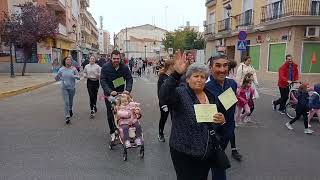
68 95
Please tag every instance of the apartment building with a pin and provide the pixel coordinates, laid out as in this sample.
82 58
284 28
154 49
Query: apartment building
274 28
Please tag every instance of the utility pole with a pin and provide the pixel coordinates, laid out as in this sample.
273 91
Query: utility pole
127 53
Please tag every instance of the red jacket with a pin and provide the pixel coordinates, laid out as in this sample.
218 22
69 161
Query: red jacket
284 74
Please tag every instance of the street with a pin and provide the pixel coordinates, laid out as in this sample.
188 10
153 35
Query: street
36 144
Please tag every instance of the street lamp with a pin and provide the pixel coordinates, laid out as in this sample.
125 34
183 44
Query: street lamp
9 29
145 52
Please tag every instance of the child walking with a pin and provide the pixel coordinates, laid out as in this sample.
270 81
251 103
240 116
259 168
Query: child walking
314 104
245 99
301 109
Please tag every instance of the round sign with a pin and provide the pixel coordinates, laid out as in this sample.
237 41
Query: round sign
242 35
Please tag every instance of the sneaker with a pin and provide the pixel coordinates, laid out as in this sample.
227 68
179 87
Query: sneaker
247 119
289 126
113 137
161 138
67 120
127 144
308 131
92 114
138 141
282 111
71 113
235 155
274 107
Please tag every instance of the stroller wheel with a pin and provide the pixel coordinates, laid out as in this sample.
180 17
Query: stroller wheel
290 111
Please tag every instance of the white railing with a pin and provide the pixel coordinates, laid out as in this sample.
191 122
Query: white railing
62 29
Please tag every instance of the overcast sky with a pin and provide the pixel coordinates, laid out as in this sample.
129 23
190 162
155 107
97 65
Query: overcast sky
119 14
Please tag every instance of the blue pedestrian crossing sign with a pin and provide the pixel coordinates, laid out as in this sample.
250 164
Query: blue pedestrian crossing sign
242 45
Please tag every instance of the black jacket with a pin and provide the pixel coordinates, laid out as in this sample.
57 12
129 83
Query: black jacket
162 78
187 135
109 73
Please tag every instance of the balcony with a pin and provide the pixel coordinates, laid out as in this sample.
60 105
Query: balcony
244 19
210 3
85 3
296 12
224 25
62 29
85 29
210 29
57 5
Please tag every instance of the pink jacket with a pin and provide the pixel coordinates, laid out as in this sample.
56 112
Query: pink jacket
129 114
242 97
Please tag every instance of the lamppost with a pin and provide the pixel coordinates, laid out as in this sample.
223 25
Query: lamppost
9 29
145 52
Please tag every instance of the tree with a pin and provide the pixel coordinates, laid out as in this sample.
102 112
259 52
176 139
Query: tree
185 39
34 24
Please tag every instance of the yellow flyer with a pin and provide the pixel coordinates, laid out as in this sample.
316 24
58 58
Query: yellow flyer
228 98
205 112
118 82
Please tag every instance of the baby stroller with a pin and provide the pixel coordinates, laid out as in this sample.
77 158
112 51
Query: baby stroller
119 132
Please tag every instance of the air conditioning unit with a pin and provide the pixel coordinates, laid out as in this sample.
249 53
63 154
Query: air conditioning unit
312 31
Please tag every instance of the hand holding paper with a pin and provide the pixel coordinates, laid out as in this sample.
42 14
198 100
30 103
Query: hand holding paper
206 112
219 118
228 98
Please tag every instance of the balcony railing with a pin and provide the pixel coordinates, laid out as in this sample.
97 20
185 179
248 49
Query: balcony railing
57 5
62 29
224 25
284 8
210 29
210 3
244 19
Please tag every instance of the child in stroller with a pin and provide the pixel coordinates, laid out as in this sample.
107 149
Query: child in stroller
126 113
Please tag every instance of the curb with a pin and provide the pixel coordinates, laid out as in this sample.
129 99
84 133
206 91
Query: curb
23 90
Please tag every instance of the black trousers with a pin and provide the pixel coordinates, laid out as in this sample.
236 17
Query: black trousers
188 167
93 87
163 119
284 93
299 113
110 117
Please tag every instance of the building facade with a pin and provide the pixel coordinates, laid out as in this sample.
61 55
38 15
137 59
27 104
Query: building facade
71 37
141 41
274 28
106 42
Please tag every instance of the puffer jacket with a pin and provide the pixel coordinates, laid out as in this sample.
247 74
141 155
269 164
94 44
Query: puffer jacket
187 135
314 101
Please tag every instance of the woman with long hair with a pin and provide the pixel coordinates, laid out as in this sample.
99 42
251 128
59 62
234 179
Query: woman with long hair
164 111
68 74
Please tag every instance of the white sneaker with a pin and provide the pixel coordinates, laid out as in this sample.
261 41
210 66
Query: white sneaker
289 126
113 137
308 131
247 120
127 144
309 126
138 142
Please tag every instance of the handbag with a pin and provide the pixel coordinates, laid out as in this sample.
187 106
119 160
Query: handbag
216 157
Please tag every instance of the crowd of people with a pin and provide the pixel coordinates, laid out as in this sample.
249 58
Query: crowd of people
195 148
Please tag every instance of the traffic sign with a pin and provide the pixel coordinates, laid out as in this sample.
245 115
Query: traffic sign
242 45
242 35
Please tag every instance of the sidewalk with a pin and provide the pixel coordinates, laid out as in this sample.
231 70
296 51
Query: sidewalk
21 84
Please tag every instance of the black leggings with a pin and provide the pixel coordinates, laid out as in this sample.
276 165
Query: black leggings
303 113
163 119
284 92
188 167
93 87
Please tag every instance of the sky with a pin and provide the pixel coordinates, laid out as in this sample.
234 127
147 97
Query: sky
166 14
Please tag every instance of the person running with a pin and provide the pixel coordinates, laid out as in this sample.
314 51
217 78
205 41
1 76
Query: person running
115 78
314 104
288 73
216 85
245 99
68 74
164 111
301 109
92 73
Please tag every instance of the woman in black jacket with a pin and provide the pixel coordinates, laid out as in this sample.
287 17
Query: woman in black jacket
190 142
164 111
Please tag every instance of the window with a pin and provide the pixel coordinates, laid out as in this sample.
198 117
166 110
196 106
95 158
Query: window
310 50
276 9
277 53
254 53
315 7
